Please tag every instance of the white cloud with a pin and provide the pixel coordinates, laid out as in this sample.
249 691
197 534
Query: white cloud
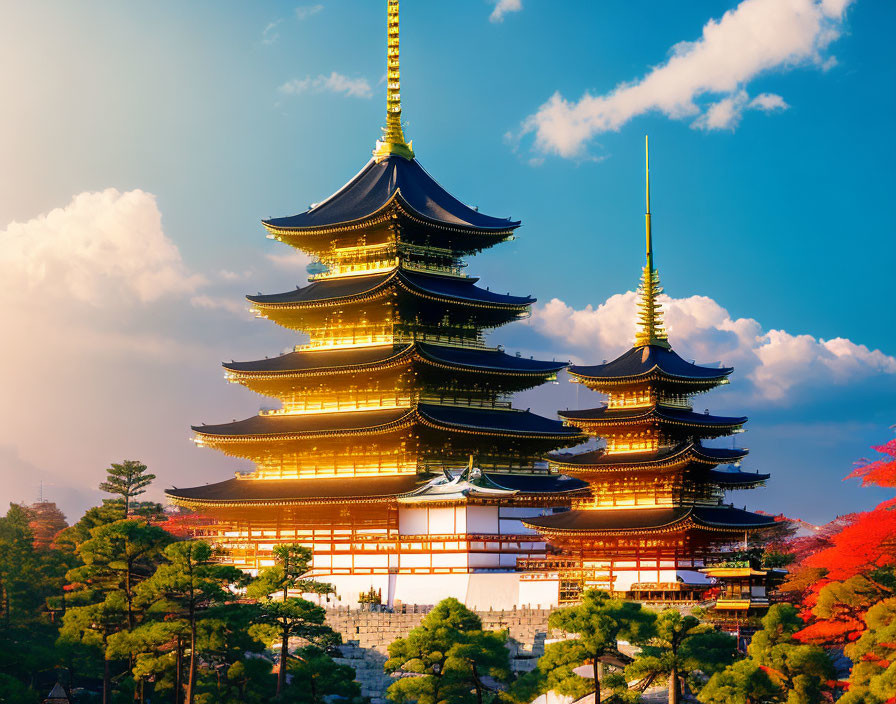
303 12
502 7
775 362
334 83
98 249
226 303
755 37
292 260
768 102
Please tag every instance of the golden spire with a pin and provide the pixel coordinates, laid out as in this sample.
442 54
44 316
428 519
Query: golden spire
650 313
393 138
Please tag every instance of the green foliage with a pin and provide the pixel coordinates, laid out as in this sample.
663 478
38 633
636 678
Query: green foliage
450 654
681 645
117 557
13 690
797 673
316 679
292 563
743 682
290 617
599 622
873 677
127 480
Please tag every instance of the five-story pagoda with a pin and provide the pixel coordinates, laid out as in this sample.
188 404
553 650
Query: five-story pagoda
656 506
395 384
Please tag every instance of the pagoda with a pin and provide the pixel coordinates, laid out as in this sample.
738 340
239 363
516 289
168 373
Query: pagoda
392 400
656 507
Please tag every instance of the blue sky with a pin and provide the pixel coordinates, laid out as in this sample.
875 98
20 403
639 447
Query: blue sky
771 159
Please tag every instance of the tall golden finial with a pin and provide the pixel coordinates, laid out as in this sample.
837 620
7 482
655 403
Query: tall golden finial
393 138
650 313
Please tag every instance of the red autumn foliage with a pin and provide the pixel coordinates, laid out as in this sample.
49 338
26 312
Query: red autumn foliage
45 522
183 525
881 472
868 543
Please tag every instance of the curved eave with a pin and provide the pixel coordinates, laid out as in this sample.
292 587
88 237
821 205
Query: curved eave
381 286
600 523
494 423
646 363
402 355
604 418
421 353
241 492
499 423
736 480
429 354
395 207
362 423
599 461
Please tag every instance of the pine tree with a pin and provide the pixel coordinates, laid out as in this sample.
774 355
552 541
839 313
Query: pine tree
449 654
127 480
186 587
680 645
291 616
598 623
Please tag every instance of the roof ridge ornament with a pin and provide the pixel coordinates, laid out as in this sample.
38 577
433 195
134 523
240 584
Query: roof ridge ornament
650 312
392 142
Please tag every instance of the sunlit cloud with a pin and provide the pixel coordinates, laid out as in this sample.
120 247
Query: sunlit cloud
703 81
100 248
502 7
777 364
334 83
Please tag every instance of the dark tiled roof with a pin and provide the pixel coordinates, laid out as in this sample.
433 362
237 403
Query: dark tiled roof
621 519
487 359
308 361
641 361
349 287
310 423
600 458
520 423
728 516
511 422
659 412
296 489
312 360
641 519
539 483
326 290
733 479
375 186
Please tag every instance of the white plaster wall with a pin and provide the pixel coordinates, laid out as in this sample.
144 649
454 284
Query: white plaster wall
412 521
482 519
496 590
441 521
544 593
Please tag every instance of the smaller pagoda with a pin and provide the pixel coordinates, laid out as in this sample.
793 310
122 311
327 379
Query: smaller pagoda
744 589
657 506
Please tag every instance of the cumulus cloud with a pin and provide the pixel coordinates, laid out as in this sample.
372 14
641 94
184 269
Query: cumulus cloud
97 249
704 80
303 12
334 83
502 7
775 362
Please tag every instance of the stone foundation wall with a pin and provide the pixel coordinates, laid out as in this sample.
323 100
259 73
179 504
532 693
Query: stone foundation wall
367 634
